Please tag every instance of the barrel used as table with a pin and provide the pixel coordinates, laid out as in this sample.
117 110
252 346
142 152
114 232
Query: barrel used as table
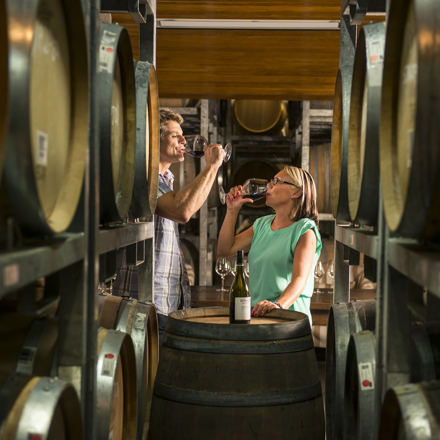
48 129
218 380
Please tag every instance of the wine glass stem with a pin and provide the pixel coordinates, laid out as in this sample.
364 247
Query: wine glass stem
223 283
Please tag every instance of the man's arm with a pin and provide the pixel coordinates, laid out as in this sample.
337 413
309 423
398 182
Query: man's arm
180 206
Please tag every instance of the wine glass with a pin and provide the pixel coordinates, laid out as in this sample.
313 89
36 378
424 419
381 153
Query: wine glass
254 189
196 144
233 264
331 269
318 274
246 267
223 267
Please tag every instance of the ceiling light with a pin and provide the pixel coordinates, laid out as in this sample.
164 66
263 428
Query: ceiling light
169 23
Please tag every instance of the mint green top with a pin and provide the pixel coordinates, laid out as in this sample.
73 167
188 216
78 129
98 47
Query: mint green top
271 261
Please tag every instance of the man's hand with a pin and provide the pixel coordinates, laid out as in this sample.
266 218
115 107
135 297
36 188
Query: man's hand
214 155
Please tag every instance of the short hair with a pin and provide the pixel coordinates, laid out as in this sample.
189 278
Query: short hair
166 115
306 206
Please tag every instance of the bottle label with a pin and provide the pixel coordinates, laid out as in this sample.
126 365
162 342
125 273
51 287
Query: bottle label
243 308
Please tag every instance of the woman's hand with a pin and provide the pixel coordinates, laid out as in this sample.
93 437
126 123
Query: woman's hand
263 307
235 198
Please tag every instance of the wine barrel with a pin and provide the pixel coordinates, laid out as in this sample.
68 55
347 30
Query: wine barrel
261 169
319 167
233 381
341 113
360 387
48 112
28 344
409 125
116 386
139 320
4 80
344 320
411 412
117 119
262 116
363 136
146 176
38 408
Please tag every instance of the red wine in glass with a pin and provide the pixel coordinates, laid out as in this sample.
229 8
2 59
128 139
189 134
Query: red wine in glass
195 153
195 146
253 188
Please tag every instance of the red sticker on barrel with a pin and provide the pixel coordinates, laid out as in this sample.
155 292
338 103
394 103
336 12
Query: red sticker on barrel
108 365
366 378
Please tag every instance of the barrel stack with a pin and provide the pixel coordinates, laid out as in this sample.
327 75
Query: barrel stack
385 159
46 132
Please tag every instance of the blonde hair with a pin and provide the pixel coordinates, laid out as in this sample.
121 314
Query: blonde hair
166 115
306 206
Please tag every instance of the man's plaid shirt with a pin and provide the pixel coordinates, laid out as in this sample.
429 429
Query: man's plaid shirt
171 283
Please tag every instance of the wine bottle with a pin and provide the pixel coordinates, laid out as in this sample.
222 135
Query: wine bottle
239 296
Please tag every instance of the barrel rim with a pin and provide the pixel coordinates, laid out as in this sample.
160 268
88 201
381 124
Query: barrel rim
419 197
339 141
363 188
146 87
177 323
18 169
115 206
116 343
4 86
282 109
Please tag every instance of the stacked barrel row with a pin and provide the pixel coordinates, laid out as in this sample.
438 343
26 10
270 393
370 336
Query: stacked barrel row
45 100
45 124
36 402
385 139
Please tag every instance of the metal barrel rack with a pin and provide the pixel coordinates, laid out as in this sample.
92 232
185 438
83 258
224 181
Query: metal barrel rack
71 259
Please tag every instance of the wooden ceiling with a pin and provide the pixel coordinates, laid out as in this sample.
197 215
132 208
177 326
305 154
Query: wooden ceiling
253 64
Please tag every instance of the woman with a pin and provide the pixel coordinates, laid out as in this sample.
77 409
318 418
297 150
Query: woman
283 248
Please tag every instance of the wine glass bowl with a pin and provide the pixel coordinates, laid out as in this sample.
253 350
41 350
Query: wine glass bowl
253 188
195 146
223 267
318 274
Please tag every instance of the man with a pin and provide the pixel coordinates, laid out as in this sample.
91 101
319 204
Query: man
171 286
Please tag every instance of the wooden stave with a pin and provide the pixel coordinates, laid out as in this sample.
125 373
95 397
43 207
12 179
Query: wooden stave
146 179
186 331
424 177
21 396
120 347
19 173
363 182
115 206
273 127
341 113
120 313
4 81
344 320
